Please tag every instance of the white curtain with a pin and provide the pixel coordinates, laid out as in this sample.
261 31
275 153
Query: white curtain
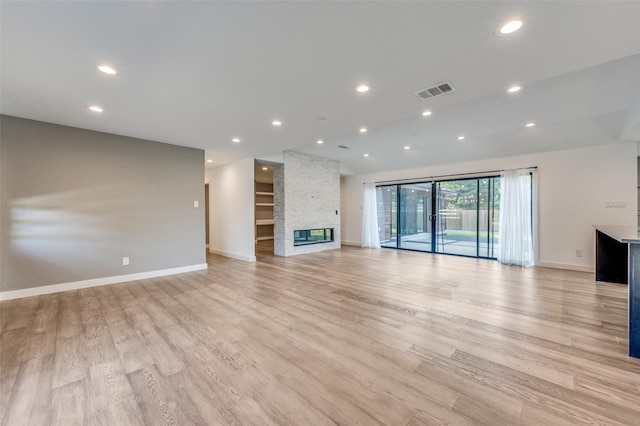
516 240
370 235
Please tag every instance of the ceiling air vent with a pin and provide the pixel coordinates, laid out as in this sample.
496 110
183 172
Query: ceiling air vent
343 147
436 90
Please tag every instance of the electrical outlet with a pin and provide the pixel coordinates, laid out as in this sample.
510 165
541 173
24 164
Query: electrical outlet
578 253
125 260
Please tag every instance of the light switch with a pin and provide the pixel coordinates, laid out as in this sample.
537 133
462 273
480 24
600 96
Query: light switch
196 204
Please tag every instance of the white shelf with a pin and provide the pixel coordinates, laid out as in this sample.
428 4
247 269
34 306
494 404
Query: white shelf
264 222
264 204
264 238
264 193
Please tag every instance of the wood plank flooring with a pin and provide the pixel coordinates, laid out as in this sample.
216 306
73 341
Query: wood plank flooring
348 337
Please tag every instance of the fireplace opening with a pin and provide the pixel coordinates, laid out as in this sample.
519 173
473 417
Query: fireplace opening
303 237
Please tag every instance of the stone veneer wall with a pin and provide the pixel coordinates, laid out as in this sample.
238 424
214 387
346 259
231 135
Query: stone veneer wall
306 196
278 210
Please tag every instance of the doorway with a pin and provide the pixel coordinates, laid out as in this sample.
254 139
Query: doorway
206 213
263 185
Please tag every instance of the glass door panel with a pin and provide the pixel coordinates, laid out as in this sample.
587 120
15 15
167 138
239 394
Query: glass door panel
386 197
484 220
489 199
415 215
457 217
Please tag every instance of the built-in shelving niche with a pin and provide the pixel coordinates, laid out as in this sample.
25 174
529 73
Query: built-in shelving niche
264 211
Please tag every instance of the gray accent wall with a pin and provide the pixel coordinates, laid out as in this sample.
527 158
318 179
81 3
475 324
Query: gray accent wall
74 202
306 196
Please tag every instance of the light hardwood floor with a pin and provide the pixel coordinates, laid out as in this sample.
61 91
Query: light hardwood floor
349 337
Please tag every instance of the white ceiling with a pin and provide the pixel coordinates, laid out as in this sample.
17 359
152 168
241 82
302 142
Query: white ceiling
200 73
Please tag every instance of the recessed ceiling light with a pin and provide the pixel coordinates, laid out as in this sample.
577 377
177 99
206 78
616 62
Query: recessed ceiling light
209 161
530 124
107 69
363 88
426 113
265 168
276 123
366 155
320 142
95 108
363 130
236 140
510 26
407 147
460 138
514 89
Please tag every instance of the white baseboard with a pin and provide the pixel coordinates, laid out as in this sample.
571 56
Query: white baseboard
567 266
56 288
233 255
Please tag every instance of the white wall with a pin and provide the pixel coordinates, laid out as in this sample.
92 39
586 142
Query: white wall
231 210
572 188
639 192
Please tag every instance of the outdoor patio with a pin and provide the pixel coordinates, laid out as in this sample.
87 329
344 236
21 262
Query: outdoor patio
450 244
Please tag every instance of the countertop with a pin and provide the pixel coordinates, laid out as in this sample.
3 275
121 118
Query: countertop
623 234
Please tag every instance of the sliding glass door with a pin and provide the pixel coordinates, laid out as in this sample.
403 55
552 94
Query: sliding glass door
489 211
387 197
416 206
456 220
457 217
